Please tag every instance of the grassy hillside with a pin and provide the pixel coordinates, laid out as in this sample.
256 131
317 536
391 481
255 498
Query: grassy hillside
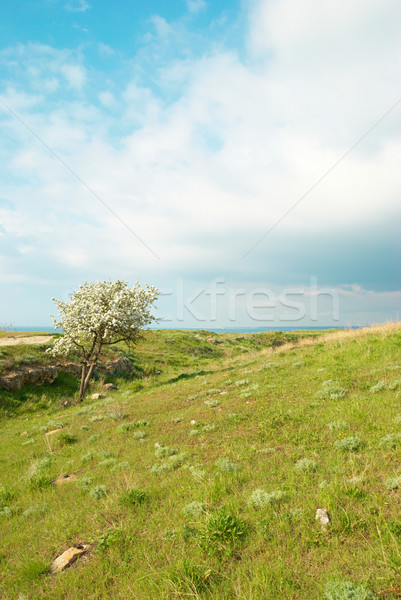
202 480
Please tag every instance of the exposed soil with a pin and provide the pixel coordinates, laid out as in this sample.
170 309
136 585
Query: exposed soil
35 339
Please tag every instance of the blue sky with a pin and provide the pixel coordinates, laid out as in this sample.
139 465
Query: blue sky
161 141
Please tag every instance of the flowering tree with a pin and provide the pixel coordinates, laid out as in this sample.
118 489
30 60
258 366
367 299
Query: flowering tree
100 314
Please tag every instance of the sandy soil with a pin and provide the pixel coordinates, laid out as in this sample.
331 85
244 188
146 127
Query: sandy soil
35 339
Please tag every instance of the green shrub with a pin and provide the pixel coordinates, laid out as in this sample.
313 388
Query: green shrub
305 465
393 483
379 387
98 492
260 498
225 465
223 533
392 440
331 390
349 444
345 590
164 451
194 509
66 439
134 497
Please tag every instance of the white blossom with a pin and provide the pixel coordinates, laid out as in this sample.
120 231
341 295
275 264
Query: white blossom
100 314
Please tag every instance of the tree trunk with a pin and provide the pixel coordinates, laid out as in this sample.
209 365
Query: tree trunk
88 375
85 377
82 387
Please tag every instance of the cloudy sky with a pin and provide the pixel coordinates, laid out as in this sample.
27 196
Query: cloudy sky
243 156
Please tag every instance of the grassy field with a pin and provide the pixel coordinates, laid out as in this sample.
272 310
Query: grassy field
200 477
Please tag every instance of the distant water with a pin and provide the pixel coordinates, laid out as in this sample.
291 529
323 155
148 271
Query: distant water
50 329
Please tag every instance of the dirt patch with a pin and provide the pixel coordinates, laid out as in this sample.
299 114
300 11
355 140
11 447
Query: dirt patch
35 339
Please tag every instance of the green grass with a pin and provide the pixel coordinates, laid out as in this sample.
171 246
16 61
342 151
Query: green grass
227 512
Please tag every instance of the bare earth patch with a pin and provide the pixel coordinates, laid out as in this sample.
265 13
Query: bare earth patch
35 339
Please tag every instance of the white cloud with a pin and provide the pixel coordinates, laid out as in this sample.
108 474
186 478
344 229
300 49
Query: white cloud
77 6
203 176
107 99
74 75
194 6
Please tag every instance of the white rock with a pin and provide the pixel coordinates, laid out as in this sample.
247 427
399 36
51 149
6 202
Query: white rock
322 515
68 557
97 396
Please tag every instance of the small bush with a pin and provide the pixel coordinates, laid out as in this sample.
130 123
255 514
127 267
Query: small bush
225 465
212 403
175 461
118 416
259 498
66 439
197 472
40 481
88 456
379 387
338 426
349 444
134 497
345 590
110 538
121 466
305 465
164 451
223 533
159 468
242 382
8 511
83 483
395 385
139 435
108 462
194 509
331 390
393 483
34 511
98 492
392 440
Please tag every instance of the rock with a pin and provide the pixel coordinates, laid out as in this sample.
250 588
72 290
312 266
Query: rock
68 557
97 396
110 386
322 515
53 431
40 374
24 433
64 479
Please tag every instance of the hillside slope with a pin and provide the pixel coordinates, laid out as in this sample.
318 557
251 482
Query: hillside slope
204 483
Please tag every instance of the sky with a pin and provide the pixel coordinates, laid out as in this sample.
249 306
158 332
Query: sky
242 156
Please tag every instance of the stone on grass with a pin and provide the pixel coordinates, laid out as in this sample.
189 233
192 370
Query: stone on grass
53 431
97 396
110 386
68 557
323 517
64 479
